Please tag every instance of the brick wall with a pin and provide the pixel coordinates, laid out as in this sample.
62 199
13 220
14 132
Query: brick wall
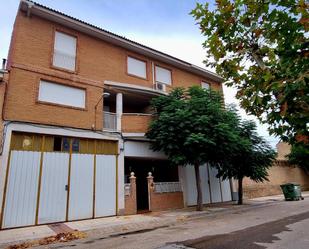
30 59
279 174
135 123
3 86
130 199
163 201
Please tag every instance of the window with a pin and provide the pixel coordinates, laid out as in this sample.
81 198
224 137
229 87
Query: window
64 51
60 94
137 67
205 85
163 75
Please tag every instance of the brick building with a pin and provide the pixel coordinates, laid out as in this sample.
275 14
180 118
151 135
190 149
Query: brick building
75 104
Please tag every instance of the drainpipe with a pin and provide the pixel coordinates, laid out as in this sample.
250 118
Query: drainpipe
153 75
119 106
29 6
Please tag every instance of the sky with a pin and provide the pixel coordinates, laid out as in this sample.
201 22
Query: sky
164 25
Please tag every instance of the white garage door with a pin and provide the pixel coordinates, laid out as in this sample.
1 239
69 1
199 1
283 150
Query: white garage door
46 187
22 189
81 187
213 189
53 195
105 186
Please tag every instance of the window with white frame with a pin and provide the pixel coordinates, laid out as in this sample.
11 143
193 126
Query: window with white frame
163 75
205 85
137 67
64 51
61 94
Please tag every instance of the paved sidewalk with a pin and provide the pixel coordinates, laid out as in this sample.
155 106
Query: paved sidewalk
114 226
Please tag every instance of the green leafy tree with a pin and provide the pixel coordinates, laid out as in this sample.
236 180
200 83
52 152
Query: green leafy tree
193 128
300 155
261 47
253 158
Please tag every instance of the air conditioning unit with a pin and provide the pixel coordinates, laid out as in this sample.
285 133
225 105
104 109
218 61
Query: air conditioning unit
160 86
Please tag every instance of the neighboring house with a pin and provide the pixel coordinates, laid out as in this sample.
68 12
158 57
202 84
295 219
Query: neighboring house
76 106
281 172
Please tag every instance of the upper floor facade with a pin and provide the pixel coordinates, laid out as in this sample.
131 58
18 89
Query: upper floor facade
65 72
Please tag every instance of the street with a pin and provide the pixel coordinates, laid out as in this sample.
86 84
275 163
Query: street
276 225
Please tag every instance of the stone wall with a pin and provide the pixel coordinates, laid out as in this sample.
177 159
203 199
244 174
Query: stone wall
282 172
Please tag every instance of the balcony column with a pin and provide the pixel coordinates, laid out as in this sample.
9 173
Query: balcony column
119 106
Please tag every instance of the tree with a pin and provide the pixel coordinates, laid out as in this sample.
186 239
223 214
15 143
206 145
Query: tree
193 128
253 158
300 155
261 47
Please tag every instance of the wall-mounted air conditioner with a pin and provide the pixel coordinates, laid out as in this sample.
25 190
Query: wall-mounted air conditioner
160 86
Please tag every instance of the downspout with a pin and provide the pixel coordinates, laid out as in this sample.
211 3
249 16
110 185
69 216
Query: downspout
29 7
153 75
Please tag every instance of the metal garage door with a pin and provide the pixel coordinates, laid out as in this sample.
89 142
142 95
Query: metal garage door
22 189
213 189
54 182
49 183
105 201
81 187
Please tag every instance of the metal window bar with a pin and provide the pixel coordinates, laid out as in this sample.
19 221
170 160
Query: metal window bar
110 121
167 187
127 188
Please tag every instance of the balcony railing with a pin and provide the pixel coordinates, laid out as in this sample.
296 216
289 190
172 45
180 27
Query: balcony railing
135 122
110 121
167 187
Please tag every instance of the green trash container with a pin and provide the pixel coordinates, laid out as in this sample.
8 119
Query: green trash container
291 191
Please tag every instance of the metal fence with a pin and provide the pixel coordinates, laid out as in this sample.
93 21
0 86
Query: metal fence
110 121
167 187
127 188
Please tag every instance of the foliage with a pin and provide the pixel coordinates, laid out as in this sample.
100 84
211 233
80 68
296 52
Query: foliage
300 155
261 48
193 128
253 158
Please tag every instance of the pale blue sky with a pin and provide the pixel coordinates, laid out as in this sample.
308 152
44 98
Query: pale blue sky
161 24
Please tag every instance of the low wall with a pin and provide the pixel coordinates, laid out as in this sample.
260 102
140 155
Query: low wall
282 172
165 201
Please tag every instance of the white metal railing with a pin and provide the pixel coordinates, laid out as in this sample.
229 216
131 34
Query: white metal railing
110 121
167 187
127 188
64 60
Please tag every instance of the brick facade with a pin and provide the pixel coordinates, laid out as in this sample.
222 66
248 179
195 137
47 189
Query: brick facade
30 59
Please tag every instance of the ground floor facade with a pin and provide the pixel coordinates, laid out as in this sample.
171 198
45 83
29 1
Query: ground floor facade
54 174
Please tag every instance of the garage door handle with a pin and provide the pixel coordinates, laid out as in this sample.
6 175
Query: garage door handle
66 187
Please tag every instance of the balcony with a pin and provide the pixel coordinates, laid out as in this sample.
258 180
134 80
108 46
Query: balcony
135 122
127 111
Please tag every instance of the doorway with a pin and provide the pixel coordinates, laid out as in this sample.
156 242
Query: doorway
161 170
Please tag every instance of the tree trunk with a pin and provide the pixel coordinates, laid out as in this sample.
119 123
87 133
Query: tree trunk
240 191
199 202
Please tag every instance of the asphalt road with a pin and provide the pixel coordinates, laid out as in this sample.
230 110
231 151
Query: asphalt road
290 232
280 224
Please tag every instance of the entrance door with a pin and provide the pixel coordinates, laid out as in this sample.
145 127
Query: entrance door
54 183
